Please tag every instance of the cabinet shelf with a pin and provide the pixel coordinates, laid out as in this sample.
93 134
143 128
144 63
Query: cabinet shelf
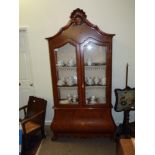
66 86
87 86
65 101
74 67
95 103
95 86
96 65
66 67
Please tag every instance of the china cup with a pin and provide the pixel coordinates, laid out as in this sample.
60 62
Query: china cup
69 97
60 63
60 83
89 81
70 81
74 98
89 62
71 63
93 99
103 81
96 80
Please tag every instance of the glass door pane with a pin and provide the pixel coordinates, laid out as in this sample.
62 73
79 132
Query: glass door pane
95 73
67 74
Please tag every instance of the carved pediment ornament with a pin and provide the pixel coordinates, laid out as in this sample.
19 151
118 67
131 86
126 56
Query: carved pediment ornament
78 16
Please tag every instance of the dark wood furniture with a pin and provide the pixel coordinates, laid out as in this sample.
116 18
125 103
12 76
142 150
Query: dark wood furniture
81 66
125 101
126 147
34 118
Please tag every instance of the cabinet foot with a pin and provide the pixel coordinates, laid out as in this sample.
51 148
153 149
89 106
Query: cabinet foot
54 137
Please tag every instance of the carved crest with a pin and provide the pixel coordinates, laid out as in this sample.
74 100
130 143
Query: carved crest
78 16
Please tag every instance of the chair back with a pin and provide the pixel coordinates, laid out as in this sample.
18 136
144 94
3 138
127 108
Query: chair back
36 105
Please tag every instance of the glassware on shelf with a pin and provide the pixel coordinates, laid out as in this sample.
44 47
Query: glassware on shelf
69 97
87 101
102 81
101 100
67 74
93 99
61 83
75 78
96 80
89 61
95 73
63 101
74 98
70 81
89 81
71 63
60 63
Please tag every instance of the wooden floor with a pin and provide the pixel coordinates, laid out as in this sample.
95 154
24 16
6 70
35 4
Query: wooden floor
126 147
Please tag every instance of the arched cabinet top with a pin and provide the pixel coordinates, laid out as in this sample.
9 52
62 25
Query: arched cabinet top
78 30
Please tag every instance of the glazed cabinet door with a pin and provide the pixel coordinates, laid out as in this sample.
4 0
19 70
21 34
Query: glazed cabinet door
67 90
95 73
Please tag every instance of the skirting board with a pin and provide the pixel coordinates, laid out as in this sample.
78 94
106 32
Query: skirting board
47 122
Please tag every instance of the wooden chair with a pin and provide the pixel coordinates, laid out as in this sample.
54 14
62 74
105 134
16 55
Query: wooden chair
34 118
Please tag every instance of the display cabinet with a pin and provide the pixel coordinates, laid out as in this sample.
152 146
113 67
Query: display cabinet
81 64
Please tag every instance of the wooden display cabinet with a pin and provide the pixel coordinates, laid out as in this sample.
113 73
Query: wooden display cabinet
81 65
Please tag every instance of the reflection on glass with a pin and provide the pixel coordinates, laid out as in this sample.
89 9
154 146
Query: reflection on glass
95 73
67 74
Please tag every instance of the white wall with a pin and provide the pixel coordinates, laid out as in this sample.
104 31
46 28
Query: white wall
45 17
